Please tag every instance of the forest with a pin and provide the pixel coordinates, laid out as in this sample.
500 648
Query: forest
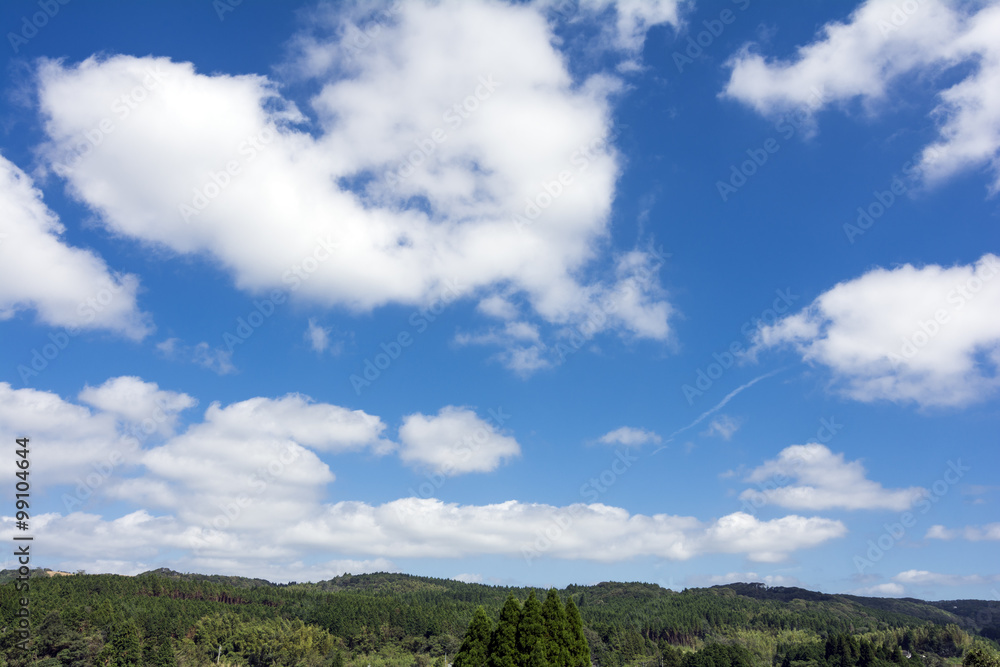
165 619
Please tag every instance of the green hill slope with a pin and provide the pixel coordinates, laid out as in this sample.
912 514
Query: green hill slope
167 618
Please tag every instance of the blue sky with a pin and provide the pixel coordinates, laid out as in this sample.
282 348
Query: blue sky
520 293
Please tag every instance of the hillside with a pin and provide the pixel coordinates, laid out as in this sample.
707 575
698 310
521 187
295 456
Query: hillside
169 618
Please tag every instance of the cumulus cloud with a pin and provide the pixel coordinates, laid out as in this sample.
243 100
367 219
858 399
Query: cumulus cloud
989 532
881 42
412 170
822 480
89 542
927 335
890 589
250 464
245 487
65 286
628 20
418 527
629 436
923 577
78 442
454 442
138 402
321 426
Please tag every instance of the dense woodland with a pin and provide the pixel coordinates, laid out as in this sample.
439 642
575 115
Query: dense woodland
164 618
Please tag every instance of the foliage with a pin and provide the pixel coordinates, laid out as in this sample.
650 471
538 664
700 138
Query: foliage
167 619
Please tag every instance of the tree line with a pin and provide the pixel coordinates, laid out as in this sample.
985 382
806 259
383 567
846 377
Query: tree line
536 634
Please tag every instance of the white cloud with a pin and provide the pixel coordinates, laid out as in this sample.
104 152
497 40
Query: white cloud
880 43
892 590
630 437
631 19
215 359
522 349
249 466
497 306
75 289
416 527
89 542
78 442
321 426
469 578
723 426
473 139
928 335
989 532
822 480
138 402
244 488
318 336
454 442
923 577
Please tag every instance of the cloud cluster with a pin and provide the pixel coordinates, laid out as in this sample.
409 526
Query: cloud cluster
415 169
65 286
454 441
888 589
925 578
928 334
811 477
880 43
989 532
246 483
79 441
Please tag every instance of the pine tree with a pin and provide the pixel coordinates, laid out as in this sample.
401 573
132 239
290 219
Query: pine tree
475 647
579 651
557 646
867 654
531 633
503 643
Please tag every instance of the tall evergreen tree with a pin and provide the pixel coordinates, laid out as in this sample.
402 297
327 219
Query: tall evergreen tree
475 647
531 633
557 645
503 643
579 651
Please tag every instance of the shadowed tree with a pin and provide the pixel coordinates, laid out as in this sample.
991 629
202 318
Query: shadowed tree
503 643
475 647
531 634
579 651
557 646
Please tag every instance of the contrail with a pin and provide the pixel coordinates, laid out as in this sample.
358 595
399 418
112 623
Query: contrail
717 407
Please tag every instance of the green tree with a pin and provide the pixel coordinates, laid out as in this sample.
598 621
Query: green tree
579 651
867 654
557 645
503 643
531 634
122 648
981 656
475 647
